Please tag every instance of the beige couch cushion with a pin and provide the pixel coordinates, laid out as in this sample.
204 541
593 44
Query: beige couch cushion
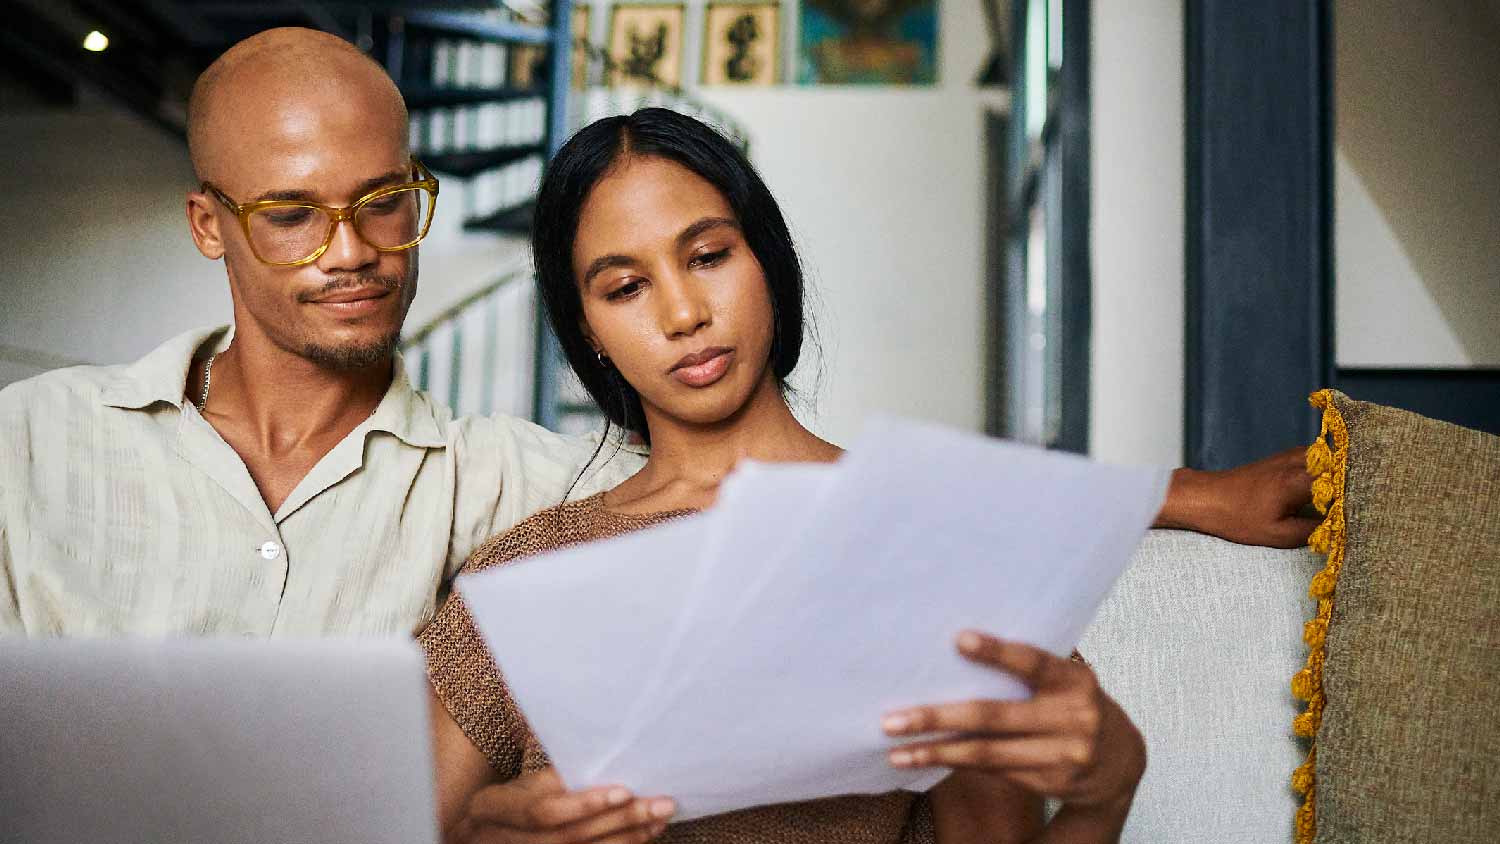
1197 643
1407 707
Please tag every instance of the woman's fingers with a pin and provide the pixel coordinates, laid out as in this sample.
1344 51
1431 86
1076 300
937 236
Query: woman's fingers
1028 664
630 822
639 835
1066 698
516 805
577 807
501 835
997 754
979 716
462 832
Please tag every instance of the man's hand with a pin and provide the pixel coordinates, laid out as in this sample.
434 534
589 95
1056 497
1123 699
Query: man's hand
1260 503
537 809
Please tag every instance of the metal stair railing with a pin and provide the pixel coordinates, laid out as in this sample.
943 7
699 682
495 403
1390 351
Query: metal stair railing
476 355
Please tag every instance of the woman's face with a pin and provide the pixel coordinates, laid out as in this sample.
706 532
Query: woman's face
672 295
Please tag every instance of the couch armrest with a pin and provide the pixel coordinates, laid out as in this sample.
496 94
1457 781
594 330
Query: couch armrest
1199 642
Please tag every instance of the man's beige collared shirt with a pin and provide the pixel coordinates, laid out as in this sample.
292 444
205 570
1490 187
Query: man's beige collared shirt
122 512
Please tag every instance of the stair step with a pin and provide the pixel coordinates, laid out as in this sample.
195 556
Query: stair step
478 27
513 220
426 97
466 164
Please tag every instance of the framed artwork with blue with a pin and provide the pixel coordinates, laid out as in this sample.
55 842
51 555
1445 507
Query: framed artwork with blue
867 42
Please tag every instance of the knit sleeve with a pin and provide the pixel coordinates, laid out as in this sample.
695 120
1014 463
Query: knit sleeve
465 678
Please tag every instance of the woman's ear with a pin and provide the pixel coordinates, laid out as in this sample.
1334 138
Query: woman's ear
588 336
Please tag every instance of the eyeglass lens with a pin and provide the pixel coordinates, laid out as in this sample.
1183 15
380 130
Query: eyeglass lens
291 233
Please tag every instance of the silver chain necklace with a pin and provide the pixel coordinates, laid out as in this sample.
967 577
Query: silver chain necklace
208 368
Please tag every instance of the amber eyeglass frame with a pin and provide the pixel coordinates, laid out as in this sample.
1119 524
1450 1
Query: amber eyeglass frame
424 180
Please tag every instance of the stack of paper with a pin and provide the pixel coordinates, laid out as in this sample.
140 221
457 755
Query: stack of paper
745 655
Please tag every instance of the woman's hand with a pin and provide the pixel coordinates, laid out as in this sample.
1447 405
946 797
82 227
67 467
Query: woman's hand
1069 741
1260 503
537 809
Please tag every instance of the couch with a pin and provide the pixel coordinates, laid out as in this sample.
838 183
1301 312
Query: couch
1198 642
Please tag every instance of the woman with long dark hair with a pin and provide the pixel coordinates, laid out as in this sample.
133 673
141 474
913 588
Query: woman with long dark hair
672 282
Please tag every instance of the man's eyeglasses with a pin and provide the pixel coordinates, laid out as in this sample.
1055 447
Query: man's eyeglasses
293 232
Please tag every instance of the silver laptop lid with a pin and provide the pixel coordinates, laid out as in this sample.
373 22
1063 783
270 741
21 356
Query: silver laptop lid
214 740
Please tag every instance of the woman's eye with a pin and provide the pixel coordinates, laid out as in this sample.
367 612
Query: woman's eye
709 259
626 290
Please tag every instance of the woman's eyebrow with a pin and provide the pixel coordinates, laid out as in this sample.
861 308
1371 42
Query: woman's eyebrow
605 262
704 225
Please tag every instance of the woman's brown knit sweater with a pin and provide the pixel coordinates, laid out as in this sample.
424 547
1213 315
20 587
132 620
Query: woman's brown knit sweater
467 682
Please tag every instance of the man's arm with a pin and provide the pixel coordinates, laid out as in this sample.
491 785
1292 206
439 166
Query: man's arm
1260 503
11 450
10 608
507 469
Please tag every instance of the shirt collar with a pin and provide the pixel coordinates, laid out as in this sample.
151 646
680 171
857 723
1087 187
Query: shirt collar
408 413
161 376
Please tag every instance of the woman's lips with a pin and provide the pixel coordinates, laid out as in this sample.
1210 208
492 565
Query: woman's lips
707 372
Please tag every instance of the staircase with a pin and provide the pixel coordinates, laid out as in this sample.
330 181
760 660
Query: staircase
487 92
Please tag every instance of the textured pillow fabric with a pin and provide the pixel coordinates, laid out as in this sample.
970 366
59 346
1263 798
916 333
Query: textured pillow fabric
1403 677
1196 642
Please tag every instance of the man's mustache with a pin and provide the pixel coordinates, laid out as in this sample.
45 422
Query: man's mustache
390 283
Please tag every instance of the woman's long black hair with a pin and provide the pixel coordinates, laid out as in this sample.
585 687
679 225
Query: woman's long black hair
585 159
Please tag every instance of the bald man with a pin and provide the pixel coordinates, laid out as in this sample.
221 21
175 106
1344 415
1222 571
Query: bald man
281 476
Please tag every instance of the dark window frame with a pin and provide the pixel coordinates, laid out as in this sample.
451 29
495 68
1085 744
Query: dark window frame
1064 198
1260 259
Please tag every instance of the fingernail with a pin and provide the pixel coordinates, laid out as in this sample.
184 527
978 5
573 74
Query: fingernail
895 722
969 641
901 757
663 808
618 797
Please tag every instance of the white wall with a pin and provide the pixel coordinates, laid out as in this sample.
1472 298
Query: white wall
1136 390
1417 181
1384 312
98 265
884 191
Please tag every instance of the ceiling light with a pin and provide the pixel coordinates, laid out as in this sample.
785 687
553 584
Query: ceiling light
95 42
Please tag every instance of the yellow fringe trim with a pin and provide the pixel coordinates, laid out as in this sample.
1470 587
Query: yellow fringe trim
1329 468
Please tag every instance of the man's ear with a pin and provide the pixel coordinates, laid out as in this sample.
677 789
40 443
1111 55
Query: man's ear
203 224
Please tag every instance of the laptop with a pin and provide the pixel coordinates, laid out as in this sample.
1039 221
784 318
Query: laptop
214 740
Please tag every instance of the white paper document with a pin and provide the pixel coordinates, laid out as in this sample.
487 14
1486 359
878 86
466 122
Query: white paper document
745 655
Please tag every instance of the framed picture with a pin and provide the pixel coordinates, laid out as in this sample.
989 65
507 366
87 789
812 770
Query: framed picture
645 44
527 61
581 20
867 42
741 44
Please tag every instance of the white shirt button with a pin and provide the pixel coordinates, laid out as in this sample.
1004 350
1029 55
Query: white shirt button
270 550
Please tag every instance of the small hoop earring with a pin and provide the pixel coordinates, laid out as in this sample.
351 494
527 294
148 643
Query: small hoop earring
599 356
